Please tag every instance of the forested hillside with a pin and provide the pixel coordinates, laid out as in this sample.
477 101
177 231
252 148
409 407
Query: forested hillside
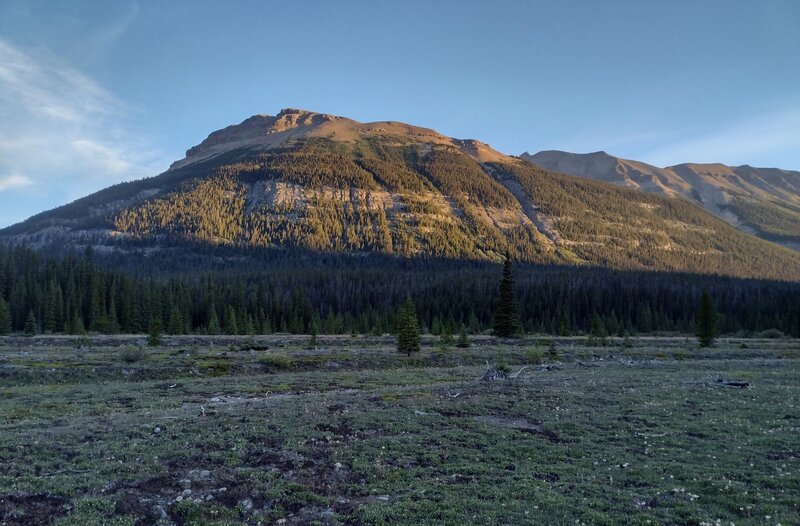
265 291
760 201
302 180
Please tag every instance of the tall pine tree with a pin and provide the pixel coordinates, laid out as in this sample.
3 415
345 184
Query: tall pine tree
407 328
154 333
31 327
506 319
706 321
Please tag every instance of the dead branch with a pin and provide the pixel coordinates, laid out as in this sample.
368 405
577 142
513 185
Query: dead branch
512 376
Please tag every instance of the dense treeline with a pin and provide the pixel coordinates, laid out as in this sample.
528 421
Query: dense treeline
772 220
225 290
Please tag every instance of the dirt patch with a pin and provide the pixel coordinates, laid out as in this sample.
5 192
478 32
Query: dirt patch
520 424
31 509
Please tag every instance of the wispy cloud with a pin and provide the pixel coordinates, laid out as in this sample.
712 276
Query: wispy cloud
759 139
63 134
14 181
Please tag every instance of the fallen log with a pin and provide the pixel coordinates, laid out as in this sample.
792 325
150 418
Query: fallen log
719 381
734 383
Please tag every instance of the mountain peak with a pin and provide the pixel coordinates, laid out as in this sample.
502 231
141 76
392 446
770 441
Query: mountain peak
258 129
269 131
293 117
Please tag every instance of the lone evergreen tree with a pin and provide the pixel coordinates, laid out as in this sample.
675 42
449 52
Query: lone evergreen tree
407 328
154 335
706 321
5 318
31 327
506 320
463 339
312 340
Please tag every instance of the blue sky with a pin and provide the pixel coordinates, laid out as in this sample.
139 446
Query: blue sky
96 92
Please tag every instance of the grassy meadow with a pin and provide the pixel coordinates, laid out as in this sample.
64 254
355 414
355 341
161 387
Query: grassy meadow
274 430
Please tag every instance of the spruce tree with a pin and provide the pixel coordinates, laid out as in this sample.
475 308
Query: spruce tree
463 340
76 325
154 334
597 330
506 320
50 321
563 323
312 330
706 321
213 321
445 340
175 321
31 327
231 326
5 318
407 328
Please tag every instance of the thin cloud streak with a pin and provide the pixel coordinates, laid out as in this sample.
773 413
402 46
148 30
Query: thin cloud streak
63 133
14 181
765 136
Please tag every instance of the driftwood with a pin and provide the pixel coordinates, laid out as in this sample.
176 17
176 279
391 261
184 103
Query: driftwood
512 376
493 373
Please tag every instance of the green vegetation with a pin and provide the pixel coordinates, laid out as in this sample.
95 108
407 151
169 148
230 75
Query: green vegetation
506 318
132 354
776 221
154 332
407 328
626 229
706 320
276 362
396 195
358 434
31 327
5 318
297 292
463 339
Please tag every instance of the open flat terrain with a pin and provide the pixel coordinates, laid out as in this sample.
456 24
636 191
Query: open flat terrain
219 430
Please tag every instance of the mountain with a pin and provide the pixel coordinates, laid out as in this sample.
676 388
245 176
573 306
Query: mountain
327 183
760 201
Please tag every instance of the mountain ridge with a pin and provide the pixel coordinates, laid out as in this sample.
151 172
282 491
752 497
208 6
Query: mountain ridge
761 201
321 182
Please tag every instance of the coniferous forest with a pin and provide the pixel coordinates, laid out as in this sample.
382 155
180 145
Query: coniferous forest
259 291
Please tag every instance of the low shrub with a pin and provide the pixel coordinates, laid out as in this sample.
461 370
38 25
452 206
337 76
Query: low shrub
132 354
276 362
770 333
534 356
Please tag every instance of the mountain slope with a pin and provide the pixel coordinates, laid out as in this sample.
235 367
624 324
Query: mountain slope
760 201
303 179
